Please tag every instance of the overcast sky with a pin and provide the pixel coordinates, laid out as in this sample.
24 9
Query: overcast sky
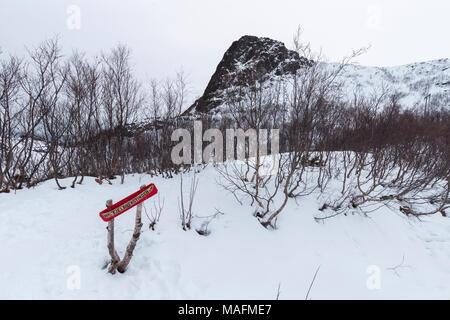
167 35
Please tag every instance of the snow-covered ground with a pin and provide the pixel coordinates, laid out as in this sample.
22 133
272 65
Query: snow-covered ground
47 235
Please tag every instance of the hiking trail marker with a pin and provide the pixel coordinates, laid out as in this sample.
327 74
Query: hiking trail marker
114 210
129 202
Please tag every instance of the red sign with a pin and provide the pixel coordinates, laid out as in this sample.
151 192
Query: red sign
128 202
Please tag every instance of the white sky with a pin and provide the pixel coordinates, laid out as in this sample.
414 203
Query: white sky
168 35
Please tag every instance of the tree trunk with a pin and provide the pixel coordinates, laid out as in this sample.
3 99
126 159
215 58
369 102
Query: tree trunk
122 266
112 252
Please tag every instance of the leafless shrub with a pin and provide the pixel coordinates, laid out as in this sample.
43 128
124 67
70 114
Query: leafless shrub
392 157
186 213
155 213
399 266
203 230
306 108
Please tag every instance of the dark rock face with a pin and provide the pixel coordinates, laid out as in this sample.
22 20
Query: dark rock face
248 60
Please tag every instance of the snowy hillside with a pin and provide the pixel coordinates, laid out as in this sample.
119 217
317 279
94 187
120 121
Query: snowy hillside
415 82
45 233
251 60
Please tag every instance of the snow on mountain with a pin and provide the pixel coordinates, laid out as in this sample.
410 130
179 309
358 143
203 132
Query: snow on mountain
415 82
247 60
252 59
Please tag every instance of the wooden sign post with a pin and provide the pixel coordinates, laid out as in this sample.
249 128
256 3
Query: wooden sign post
114 210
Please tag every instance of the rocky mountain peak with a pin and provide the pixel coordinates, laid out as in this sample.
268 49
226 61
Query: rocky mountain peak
246 61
